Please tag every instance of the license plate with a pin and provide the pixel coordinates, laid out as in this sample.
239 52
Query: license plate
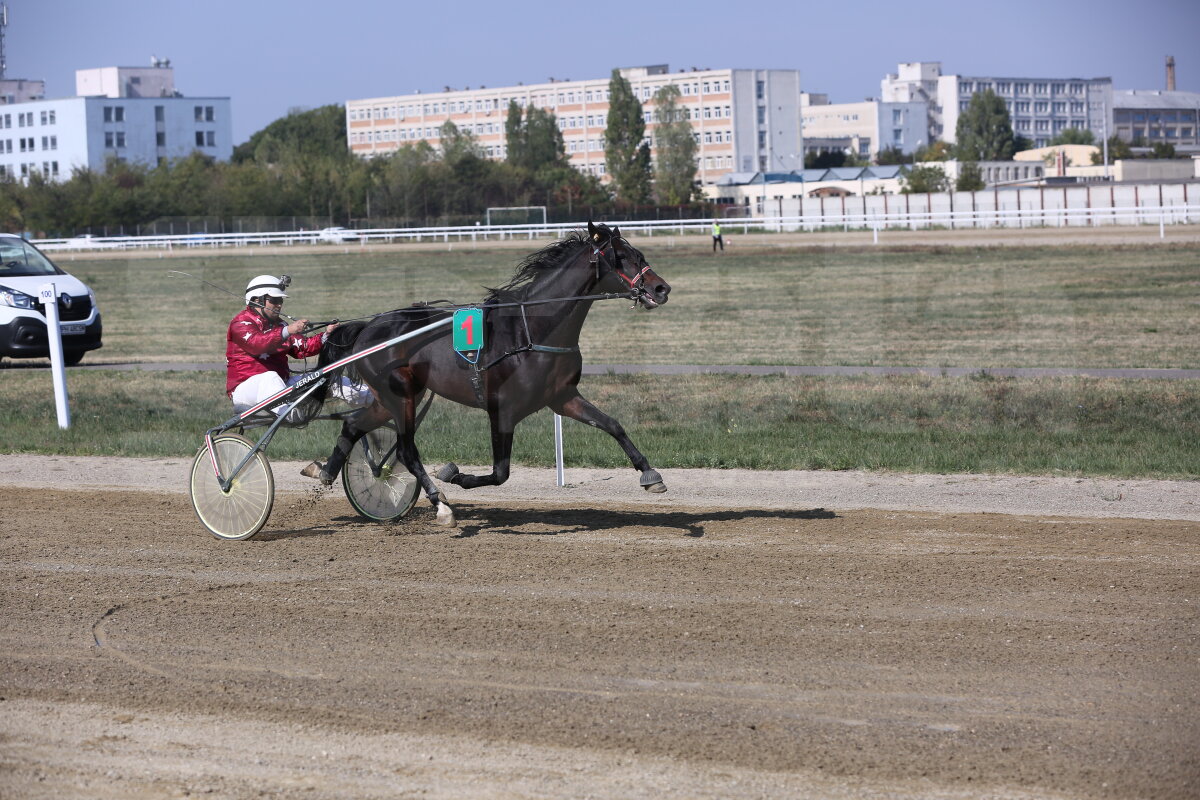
69 329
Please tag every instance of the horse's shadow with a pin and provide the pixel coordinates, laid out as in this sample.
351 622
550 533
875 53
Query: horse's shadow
474 520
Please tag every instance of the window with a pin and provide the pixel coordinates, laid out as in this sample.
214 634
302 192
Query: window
198 113
760 89
160 139
1040 88
1041 107
159 113
1004 87
897 116
108 140
120 139
119 114
762 115
199 138
1022 88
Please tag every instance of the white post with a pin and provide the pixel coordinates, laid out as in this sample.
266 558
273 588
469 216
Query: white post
49 298
558 450
1162 222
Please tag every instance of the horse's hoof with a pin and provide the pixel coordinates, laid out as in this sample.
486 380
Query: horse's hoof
445 516
652 481
313 470
447 472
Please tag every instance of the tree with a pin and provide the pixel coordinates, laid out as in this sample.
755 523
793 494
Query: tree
937 150
1118 148
675 167
625 151
321 131
535 141
825 160
984 130
1074 136
892 155
1162 150
923 179
970 178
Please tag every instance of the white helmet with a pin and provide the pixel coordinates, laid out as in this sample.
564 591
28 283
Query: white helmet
267 285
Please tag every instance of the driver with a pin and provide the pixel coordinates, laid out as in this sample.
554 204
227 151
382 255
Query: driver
259 343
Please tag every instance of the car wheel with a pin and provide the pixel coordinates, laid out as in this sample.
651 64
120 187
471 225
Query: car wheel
71 358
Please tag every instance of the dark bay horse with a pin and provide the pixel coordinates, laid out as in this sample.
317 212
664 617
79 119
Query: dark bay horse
530 359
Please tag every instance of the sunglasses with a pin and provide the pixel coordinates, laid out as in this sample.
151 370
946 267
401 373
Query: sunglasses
275 301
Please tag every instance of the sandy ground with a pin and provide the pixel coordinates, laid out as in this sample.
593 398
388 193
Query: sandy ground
841 635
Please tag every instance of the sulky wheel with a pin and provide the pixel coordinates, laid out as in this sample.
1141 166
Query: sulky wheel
377 486
242 511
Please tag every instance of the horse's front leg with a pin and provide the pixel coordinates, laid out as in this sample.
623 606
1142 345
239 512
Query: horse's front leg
502 441
577 408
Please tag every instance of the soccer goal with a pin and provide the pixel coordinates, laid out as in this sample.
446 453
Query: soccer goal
516 215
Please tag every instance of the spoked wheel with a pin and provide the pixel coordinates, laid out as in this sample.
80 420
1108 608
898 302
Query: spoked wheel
377 485
242 511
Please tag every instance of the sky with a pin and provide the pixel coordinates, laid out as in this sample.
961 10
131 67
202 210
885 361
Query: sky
271 57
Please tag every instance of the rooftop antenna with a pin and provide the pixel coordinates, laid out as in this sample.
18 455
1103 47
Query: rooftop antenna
3 25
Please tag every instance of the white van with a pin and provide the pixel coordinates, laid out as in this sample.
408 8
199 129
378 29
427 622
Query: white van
23 271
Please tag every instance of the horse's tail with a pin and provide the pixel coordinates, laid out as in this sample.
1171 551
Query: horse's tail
337 346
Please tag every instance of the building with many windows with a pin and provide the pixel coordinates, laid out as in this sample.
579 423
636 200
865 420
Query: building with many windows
743 119
863 128
115 121
1040 108
1148 117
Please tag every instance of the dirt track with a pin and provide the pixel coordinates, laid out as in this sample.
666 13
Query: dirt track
612 644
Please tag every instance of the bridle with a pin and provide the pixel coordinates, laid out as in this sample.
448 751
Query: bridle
637 284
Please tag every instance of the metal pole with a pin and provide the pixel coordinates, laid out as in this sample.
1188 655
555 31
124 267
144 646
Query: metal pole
49 297
558 451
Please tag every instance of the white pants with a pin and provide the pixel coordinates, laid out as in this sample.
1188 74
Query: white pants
257 388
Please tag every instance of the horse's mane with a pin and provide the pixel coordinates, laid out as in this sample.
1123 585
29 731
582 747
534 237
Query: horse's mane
537 264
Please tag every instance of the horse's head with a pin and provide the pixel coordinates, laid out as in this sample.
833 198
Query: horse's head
619 263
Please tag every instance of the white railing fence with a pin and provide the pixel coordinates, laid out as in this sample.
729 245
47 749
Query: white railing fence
1170 204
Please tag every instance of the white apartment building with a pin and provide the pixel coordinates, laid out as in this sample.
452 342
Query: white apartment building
743 119
54 137
863 128
1040 108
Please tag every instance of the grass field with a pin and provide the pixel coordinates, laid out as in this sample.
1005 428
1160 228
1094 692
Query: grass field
971 307
1075 426
983 307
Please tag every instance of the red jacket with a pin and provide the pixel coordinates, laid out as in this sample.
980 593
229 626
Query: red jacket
254 346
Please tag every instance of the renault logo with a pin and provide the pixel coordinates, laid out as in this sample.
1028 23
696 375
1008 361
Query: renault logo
65 299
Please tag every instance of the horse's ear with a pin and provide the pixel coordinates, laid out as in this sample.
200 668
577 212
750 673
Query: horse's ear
616 232
593 231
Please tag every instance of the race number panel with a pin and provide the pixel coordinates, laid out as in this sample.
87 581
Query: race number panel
468 329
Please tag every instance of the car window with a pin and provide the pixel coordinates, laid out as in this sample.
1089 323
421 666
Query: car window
18 258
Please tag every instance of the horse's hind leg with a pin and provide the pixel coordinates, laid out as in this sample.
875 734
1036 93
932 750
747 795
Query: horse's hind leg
353 429
403 410
577 408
